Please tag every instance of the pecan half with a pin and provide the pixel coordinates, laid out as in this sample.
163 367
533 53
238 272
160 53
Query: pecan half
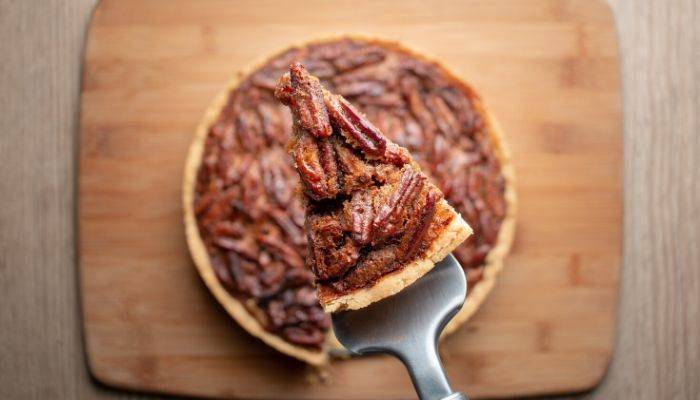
311 156
358 58
367 88
276 177
237 168
361 210
388 100
329 164
304 95
355 127
244 248
444 117
248 129
319 68
272 123
408 187
293 232
409 86
282 251
412 240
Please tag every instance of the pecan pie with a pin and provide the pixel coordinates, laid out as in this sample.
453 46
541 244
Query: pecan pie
374 221
245 226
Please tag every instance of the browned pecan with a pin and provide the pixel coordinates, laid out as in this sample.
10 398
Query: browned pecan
304 95
461 105
390 125
320 68
227 228
248 129
422 70
281 250
276 177
252 201
387 100
332 50
283 60
272 277
225 131
367 88
222 272
265 79
373 72
244 248
440 152
244 274
293 232
412 240
355 127
360 57
237 168
418 108
444 117
272 123
310 161
413 131
386 220
361 210
306 296
327 157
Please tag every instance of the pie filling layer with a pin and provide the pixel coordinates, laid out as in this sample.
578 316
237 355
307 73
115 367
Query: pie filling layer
251 221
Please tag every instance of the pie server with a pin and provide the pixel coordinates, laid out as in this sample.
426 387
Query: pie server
408 325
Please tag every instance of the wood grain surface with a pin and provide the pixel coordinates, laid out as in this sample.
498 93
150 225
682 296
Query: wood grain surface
549 73
41 354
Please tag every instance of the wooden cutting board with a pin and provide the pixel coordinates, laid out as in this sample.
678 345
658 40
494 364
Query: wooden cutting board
549 70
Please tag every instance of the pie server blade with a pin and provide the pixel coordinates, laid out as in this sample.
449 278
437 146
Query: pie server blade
408 325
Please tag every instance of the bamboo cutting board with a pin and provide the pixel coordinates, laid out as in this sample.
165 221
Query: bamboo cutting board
547 68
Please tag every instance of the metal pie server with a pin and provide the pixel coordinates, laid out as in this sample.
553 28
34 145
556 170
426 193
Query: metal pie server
408 325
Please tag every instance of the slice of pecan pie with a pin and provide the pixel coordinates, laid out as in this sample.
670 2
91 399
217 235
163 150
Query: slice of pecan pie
374 222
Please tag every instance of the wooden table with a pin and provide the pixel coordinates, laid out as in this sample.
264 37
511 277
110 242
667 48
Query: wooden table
657 355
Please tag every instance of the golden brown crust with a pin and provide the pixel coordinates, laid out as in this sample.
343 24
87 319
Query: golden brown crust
494 261
454 234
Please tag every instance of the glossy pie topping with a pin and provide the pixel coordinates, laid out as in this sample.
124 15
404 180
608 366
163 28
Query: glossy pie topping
253 224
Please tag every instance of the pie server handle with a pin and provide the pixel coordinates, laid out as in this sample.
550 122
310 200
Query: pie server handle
426 371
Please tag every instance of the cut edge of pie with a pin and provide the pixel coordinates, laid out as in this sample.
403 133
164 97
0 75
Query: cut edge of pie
454 234
201 258
476 296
